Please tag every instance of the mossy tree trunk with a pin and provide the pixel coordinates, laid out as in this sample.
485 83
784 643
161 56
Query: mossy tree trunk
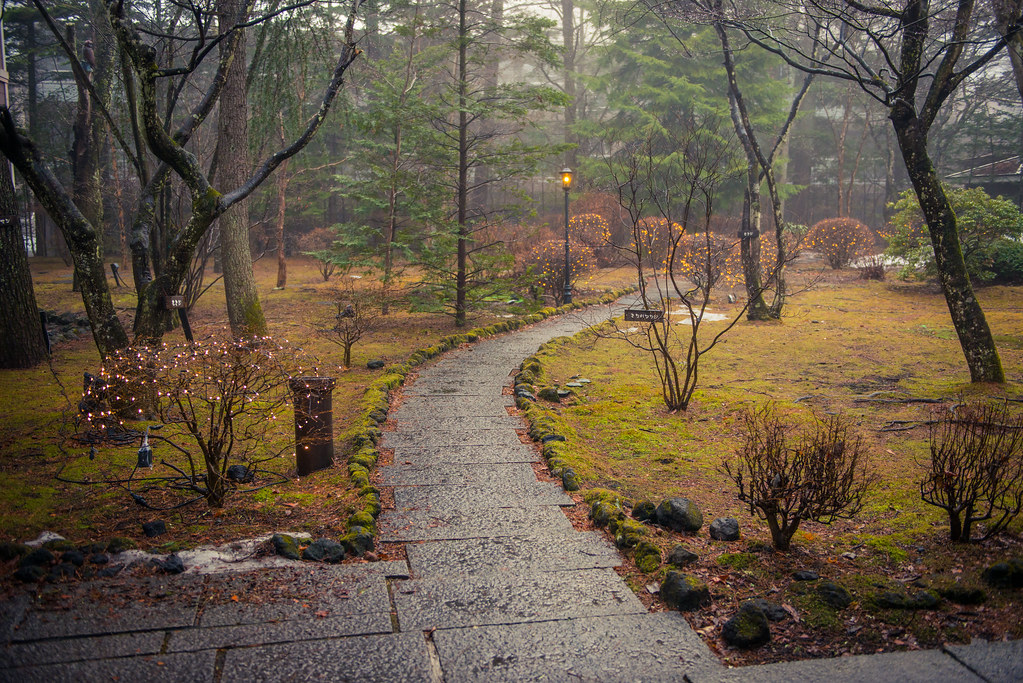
967 315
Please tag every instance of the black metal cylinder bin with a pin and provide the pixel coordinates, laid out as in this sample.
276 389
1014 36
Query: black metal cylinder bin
314 423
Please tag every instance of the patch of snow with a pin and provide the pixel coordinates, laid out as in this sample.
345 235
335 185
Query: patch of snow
44 537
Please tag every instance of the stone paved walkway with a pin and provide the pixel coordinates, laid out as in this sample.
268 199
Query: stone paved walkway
498 586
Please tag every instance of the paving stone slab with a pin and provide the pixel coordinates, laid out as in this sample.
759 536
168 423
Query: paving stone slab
428 438
476 499
482 385
313 628
515 474
429 525
393 658
449 424
310 592
125 603
12 611
511 598
172 668
39 652
646 647
925 666
574 550
463 455
453 406
996 662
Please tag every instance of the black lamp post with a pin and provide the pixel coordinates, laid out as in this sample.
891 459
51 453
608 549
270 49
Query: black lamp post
566 183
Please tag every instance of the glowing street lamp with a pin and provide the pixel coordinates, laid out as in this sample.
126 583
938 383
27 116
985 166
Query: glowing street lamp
566 183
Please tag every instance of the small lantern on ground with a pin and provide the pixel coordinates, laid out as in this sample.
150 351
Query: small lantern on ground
566 184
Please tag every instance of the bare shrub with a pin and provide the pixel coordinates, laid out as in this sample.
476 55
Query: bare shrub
350 321
317 243
872 268
821 477
840 240
976 469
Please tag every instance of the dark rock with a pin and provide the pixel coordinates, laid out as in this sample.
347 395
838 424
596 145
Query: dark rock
324 550
895 600
680 557
62 572
74 557
108 572
285 546
644 511
834 595
37 558
10 551
891 600
648 557
963 594
93 548
564 393
683 592
772 610
155 528
680 514
805 575
119 544
725 529
240 474
30 573
172 565
547 438
549 394
375 364
569 479
99 558
748 628
1005 574
378 416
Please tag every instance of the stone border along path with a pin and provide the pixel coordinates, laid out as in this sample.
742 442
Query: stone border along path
498 586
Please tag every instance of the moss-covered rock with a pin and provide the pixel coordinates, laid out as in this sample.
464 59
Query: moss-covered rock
59 545
834 595
118 544
286 545
601 512
680 514
1007 574
358 541
684 592
961 593
12 551
569 479
748 628
645 511
648 557
549 394
363 519
627 532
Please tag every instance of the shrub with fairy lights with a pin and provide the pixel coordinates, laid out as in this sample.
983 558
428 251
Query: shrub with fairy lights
547 264
840 240
221 408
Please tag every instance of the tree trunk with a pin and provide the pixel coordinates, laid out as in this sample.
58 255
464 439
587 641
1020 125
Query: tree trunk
1008 14
22 344
243 308
282 189
967 316
462 192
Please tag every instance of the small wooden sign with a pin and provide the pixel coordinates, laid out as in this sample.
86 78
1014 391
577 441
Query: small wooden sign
173 301
641 315
748 234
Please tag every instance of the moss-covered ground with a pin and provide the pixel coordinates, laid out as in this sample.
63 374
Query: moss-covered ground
37 407
865 350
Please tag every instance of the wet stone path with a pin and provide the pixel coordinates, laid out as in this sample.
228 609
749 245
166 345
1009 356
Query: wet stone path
498 585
